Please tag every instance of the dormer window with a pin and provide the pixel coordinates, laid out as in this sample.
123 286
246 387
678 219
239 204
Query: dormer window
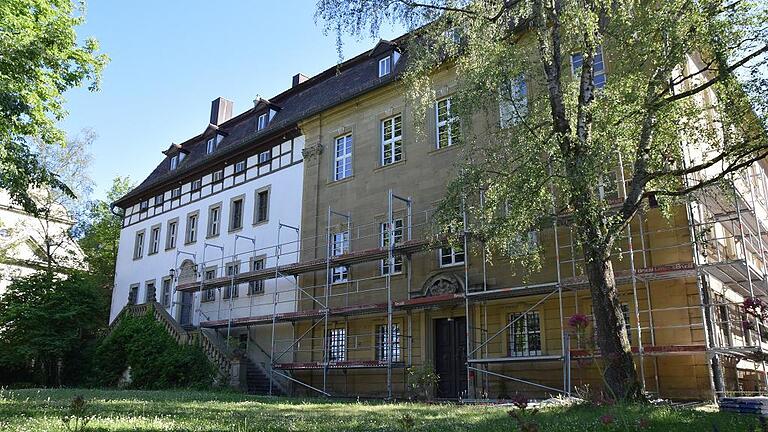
210 146
385 66
262 123
174 162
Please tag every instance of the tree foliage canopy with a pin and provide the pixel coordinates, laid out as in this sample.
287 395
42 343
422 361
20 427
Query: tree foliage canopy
40 59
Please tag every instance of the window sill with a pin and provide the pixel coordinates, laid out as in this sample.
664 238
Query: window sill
392 165
451 265
190 243
211 236
232 231
170 248
337 182
436 151
264 222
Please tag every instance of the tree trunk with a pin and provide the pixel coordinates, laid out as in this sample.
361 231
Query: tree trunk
620 374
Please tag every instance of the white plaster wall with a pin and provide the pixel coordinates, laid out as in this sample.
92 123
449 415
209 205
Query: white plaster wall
284 206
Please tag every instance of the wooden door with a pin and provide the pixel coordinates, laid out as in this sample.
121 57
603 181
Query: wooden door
451 357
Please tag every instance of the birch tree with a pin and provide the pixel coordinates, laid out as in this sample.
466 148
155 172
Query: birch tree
585 83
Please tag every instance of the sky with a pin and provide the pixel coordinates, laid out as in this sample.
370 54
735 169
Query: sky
171 58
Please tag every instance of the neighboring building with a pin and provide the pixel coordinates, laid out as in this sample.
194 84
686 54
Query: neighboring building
348 321
23 246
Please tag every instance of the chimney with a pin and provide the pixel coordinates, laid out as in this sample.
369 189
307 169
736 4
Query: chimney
298 79
221 110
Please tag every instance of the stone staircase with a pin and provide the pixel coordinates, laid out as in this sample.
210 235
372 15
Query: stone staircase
235 369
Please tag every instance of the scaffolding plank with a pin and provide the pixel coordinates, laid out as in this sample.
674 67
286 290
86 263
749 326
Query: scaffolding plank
351 364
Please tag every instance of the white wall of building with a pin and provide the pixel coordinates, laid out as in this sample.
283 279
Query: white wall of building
284 179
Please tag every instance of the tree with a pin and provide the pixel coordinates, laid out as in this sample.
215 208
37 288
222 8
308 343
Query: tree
100 233
680 72
49 230
40 59
47 322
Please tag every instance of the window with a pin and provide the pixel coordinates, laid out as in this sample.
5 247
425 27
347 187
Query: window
262 206
232 290
151 294
262 122
191 236
174 162
144 205
340 246
166 294
392 140
176 192
451 256
397 234
138 245
170 239
382 343
524 245
210 293
133 294
239 167
513 105
627 322
159 200
210 146
265 157
608 187
598 67
154 240
337 345
385 66
343 157
197 184
236 214
257 286
447 124
214 220
525 334
218 176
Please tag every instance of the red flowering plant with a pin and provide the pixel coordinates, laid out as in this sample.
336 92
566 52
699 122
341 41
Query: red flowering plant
580 323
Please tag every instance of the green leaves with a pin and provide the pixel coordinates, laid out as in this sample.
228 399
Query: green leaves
40 59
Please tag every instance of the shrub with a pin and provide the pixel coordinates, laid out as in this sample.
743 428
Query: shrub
156 361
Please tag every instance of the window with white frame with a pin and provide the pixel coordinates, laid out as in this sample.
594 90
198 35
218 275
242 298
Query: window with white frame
210 293
144 205
385 66
261 209
197 184
214 220
262 122
397 235
524 244
133 294
257 286
236 213
627 323
166 293
336 341
191 236
170 239
174 162
343 157
525 334
217 176
176 192
382 343
150 294
447 124
265 157
159 200
450 256
340 246
232 289
392 140
608 186
210 145
239 167
154 240
138 245
598 66
513 104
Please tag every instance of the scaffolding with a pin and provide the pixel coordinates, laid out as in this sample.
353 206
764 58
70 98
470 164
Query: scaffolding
725 237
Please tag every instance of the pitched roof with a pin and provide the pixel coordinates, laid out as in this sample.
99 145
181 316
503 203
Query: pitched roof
329 88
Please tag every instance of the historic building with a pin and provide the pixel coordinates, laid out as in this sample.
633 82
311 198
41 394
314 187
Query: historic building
30 243
358 294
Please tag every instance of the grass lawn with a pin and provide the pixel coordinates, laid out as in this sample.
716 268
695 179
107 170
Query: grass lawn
115 410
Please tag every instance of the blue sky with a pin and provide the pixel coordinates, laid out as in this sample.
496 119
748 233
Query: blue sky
169 59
